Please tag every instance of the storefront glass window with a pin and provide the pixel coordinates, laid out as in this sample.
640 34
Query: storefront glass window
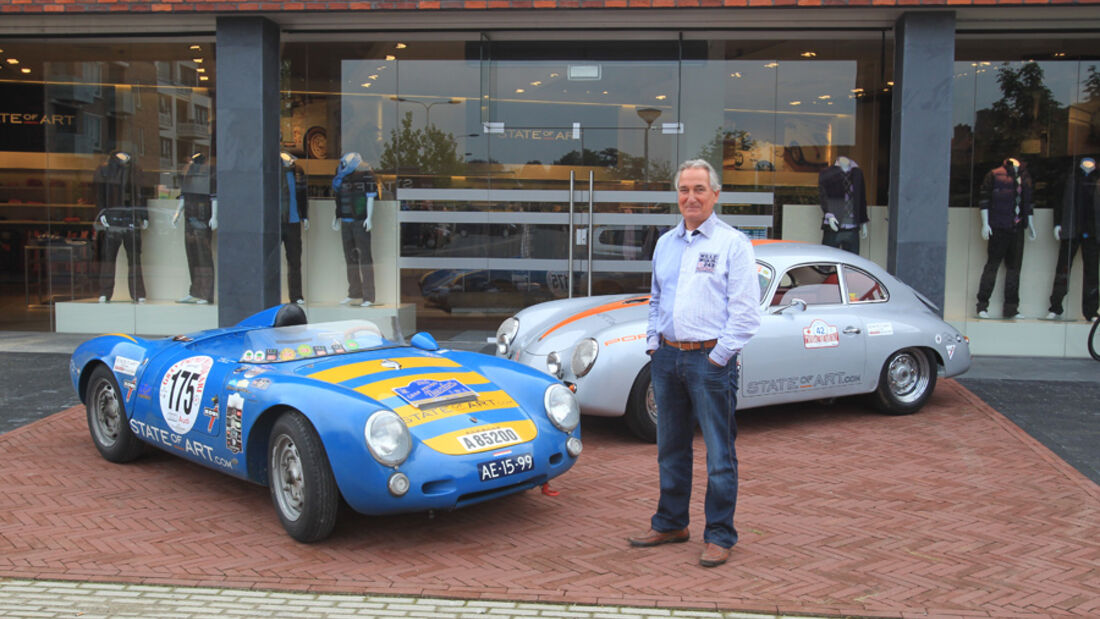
97 140
1025 129
486 149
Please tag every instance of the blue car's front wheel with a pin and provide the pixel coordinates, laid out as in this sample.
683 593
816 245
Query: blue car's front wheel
302 486
107 420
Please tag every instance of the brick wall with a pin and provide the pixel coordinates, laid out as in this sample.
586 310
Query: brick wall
221 6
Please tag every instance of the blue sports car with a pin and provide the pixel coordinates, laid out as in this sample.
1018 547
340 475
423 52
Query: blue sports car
322 411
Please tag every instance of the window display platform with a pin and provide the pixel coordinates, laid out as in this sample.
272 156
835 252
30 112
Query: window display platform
1025 337
170 318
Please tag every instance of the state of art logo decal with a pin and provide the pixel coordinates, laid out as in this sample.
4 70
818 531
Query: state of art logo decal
820 335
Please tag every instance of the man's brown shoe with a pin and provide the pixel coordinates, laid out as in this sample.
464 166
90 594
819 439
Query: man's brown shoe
656 538
714 555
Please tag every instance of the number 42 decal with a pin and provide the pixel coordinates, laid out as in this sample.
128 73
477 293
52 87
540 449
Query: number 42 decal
181 392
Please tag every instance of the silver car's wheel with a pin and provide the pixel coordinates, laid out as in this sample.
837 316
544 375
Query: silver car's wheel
107 421
907 381
302 486
641 407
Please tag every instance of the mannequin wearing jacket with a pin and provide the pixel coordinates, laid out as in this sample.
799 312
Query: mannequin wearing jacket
199 208
355 189
294 205
122 216
1006 209
843 205
1076 225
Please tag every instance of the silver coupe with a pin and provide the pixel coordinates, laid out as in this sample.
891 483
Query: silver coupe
834 324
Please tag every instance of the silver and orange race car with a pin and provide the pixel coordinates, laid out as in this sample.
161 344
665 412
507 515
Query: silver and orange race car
834 324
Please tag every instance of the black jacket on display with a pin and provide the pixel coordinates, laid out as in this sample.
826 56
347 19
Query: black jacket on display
293 193
844 195
198 190
351 193
1079 210
118 194
999 192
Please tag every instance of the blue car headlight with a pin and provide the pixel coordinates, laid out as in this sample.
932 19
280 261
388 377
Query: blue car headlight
561 407
387 437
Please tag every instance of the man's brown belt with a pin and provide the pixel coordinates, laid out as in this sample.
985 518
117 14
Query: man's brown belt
690 345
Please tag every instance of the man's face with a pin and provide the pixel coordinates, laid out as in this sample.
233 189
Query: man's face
695 197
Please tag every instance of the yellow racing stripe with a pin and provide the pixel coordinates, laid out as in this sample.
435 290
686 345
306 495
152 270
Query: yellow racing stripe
363 368
129 337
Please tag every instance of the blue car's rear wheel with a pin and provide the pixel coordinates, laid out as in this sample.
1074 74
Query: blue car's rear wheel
107 418
298 473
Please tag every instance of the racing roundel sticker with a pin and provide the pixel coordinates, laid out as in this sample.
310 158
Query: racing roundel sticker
181 392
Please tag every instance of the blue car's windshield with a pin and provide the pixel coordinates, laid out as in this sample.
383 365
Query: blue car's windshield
308 341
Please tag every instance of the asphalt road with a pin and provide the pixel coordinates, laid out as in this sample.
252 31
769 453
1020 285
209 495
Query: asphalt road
1054 400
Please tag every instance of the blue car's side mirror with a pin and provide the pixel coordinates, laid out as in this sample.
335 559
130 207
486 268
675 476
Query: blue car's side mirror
424 341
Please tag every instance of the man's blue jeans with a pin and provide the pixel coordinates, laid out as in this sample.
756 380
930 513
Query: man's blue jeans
690 391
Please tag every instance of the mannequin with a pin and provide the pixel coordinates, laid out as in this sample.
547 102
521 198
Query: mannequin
843 204
355 189
1076 225
122 216
200 210
1006 210
294 204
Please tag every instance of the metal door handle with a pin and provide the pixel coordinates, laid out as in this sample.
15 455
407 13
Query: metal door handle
852 330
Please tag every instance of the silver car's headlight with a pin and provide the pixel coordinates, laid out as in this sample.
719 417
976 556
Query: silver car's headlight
553 364
584 356
561 407
506 334
387 437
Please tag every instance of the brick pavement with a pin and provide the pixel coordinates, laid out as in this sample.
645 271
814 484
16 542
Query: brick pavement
953 512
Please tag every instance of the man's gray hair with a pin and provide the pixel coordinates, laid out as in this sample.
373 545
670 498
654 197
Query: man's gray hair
715 181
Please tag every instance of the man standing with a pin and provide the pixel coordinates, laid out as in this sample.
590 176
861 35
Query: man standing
703 309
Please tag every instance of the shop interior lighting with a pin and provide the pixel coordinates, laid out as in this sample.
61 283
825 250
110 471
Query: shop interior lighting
1059 54
536 83
735 74
771 65
520 91
796 103
195 47
825 97
200 70
25 70
203 78
889 83
365 84
661 97
197 60
555 75
391 57
809 54
373 77
13 61
857 90
400 46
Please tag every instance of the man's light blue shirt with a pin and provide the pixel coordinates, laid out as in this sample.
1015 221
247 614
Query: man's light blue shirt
705 287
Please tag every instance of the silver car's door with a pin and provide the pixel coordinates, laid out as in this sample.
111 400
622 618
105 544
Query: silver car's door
810 345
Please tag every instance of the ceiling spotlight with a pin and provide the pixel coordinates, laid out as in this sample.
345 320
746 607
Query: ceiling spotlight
661 97
796 103
203 78
771 65
197 60
25 70
808 54
536 83
365 84
520 90
824 97
400 46
735 74
195 47
373 77
13 61
391 57
200 70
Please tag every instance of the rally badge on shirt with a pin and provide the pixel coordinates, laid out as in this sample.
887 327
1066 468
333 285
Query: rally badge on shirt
706 263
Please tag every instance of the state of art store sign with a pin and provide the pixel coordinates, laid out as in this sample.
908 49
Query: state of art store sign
25 123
